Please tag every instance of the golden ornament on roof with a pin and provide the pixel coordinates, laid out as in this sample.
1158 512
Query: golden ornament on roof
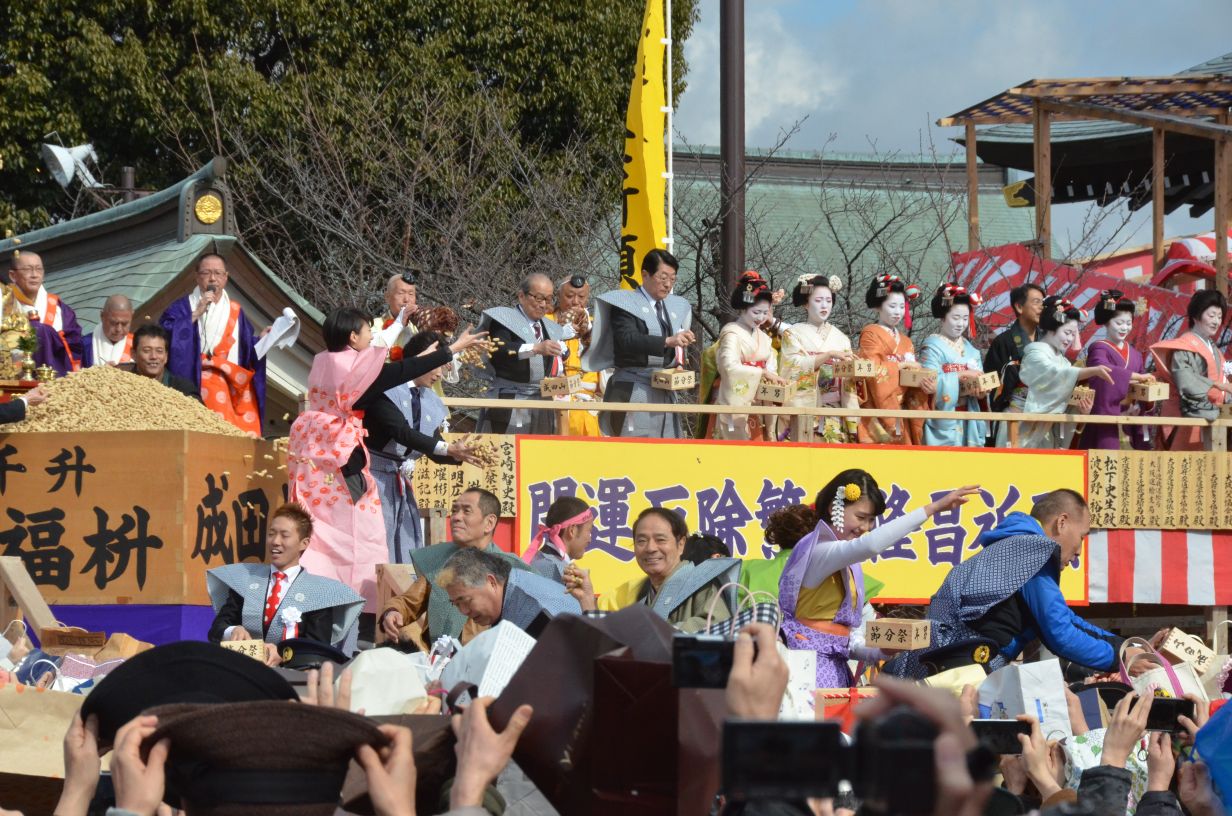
208 208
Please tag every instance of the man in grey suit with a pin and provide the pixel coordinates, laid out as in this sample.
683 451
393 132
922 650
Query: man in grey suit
487 590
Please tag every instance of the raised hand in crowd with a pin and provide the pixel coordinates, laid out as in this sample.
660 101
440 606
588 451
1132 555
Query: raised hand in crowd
319 690
1044 762
139 783
1194 789
957 793
1202 713
390 772
1125 729
482 752
758 676
81 766
1160 762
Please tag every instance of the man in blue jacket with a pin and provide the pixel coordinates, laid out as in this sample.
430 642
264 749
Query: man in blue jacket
1010 592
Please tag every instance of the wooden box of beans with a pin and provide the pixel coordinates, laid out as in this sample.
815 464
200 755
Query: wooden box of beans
560 386
774 393
898 633
915 377
673 379
856 368
979 386
1080 393
1154 391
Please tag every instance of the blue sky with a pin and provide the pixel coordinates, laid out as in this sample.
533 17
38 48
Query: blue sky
883 71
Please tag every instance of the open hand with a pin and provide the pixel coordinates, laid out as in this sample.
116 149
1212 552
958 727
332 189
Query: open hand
468 339
482 752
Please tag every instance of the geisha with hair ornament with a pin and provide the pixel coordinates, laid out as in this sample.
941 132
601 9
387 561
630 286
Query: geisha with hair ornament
810 350
891 350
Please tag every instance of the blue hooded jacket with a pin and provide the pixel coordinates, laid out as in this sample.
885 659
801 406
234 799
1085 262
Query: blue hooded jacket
1064 633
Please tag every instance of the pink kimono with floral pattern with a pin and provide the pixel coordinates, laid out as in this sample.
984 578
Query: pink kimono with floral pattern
348 539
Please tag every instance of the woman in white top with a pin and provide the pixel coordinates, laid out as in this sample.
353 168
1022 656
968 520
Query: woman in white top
745 357
810 350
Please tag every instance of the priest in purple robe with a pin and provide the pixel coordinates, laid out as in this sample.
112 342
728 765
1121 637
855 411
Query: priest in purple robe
54 322
214 346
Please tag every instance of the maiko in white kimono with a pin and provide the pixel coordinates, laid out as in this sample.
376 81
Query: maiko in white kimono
1050 380
742 358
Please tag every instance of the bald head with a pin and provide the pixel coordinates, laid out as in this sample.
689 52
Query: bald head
399 295
116 318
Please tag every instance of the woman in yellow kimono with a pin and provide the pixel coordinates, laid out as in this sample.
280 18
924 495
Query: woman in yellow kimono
810 349
678 591
890 349
572 299
745 356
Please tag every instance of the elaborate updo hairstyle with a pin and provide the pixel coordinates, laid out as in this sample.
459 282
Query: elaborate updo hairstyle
845 488
805 285
1057 312
750 290
949 295
1112 301
1203 300
883 286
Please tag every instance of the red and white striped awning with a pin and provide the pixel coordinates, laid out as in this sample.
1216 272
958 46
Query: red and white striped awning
1160 567
1192 257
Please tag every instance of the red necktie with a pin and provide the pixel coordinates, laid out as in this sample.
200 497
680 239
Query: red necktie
275 596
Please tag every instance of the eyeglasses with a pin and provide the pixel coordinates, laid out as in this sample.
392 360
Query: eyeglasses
28 269
542 300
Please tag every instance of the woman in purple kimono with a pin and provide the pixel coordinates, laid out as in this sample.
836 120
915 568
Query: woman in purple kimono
1115 313
822 588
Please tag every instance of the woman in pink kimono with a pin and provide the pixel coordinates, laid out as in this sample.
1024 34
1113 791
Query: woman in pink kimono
327 464
1197 370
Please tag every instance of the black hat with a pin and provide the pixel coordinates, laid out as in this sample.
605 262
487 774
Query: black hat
266 757
302 653
978 650
185 672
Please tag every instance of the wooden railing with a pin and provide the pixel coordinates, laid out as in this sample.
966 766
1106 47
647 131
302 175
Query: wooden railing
802 428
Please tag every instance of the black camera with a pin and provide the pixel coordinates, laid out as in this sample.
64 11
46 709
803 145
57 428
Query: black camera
1001 736
702 661
890 765
1166 710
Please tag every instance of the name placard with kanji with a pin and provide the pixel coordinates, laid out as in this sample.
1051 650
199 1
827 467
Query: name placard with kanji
134 517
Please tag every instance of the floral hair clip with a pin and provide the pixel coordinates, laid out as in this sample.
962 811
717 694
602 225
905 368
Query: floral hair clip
847 493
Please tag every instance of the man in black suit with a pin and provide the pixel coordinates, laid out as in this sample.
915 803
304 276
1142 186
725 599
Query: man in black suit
638 332
15 409
404 424
279 600
150 343
527 348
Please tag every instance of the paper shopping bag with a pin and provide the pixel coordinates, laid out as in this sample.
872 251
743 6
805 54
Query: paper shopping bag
33 722
1165 680
385 682
121 646
667 763
1037 689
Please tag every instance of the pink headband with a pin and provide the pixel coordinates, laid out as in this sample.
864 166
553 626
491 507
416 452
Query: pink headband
553 534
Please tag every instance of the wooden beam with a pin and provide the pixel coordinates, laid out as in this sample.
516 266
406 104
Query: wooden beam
23 590
1168 122
1043 181
1221 216
973 193
1157 197
1130 86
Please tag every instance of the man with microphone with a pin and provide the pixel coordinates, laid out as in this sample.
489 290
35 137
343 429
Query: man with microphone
213 345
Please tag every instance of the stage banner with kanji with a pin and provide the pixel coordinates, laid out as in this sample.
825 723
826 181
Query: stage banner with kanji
134 517
730 489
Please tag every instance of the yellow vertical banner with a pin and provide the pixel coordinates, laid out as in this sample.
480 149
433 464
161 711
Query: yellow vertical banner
642 217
